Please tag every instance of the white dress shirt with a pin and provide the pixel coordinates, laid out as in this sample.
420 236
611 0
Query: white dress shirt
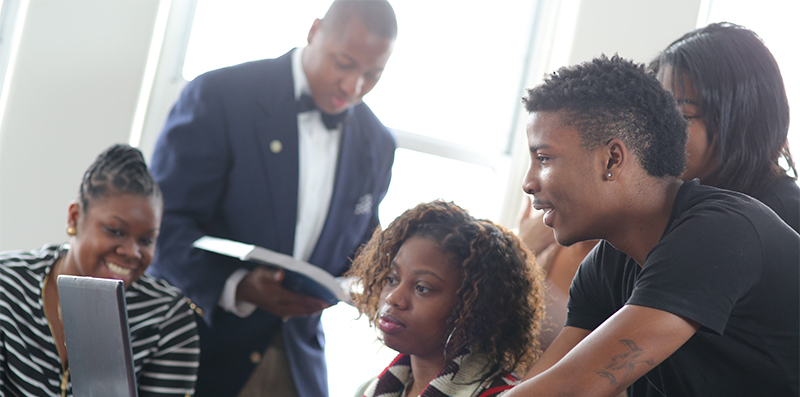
318 154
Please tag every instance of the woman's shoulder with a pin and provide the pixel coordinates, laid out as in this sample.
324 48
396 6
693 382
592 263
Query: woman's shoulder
34 259
150 287
149 293
27 268
362 390
783 197
499 384
494 380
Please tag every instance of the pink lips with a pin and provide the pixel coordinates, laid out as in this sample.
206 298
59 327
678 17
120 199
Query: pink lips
390 324
338 103
548 217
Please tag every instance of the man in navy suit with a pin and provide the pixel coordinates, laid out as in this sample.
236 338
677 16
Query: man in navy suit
279 153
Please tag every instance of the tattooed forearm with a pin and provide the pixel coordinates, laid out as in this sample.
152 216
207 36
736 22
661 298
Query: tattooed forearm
625 363
608 375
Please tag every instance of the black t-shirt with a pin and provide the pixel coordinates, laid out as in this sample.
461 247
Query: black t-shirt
725 261
783 197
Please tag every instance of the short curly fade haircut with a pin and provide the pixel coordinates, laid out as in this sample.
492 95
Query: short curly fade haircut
617 98
500 302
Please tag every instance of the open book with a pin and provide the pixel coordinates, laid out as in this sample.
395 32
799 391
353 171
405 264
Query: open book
300 277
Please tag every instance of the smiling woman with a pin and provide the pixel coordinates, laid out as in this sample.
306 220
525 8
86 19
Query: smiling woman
112 228
114 224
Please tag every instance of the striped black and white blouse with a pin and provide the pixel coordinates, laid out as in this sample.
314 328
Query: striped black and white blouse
163 332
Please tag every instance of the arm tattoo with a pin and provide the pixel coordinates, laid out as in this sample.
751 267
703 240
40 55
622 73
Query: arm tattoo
625 362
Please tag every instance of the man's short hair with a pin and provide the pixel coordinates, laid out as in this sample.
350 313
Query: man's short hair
377 15
616 98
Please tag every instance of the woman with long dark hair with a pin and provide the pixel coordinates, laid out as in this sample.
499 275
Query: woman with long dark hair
730 90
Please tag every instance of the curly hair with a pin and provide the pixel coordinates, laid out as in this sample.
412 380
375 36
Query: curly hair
616 98
500 302
743 101
119 169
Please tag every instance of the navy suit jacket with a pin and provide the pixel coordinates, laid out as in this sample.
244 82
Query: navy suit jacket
227 163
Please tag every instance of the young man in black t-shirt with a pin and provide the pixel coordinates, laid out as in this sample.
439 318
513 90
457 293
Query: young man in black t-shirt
697 282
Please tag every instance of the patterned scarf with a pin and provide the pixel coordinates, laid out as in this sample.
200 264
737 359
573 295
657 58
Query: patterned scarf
464 376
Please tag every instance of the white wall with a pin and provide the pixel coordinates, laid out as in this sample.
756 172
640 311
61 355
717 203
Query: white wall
75 84
636 29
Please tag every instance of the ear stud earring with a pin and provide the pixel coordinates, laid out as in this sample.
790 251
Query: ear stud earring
609 175
71 231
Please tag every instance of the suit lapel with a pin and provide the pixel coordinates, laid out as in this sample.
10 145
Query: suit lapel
354 169
354 177
276 134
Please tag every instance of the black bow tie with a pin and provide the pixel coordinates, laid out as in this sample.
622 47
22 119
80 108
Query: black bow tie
331 121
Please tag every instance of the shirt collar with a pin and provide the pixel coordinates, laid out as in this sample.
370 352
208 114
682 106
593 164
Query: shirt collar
301 85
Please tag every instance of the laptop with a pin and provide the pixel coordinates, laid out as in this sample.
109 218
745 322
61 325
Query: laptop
97 336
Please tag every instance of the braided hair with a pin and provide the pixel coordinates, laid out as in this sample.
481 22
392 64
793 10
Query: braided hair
119 169
500 302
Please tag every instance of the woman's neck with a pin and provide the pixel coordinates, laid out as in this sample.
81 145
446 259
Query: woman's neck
423 370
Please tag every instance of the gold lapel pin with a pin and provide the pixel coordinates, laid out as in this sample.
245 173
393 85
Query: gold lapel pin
275 146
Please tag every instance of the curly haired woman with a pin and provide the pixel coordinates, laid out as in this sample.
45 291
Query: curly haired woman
460 298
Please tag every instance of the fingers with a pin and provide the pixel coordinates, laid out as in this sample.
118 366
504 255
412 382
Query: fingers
528 207
292 304
311 305
258 284
267 274
525 211
545 258
535 234
262 287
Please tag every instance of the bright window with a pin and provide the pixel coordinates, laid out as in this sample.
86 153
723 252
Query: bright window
460 85
226 33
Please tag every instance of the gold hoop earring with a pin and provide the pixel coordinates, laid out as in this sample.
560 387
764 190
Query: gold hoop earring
71 231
